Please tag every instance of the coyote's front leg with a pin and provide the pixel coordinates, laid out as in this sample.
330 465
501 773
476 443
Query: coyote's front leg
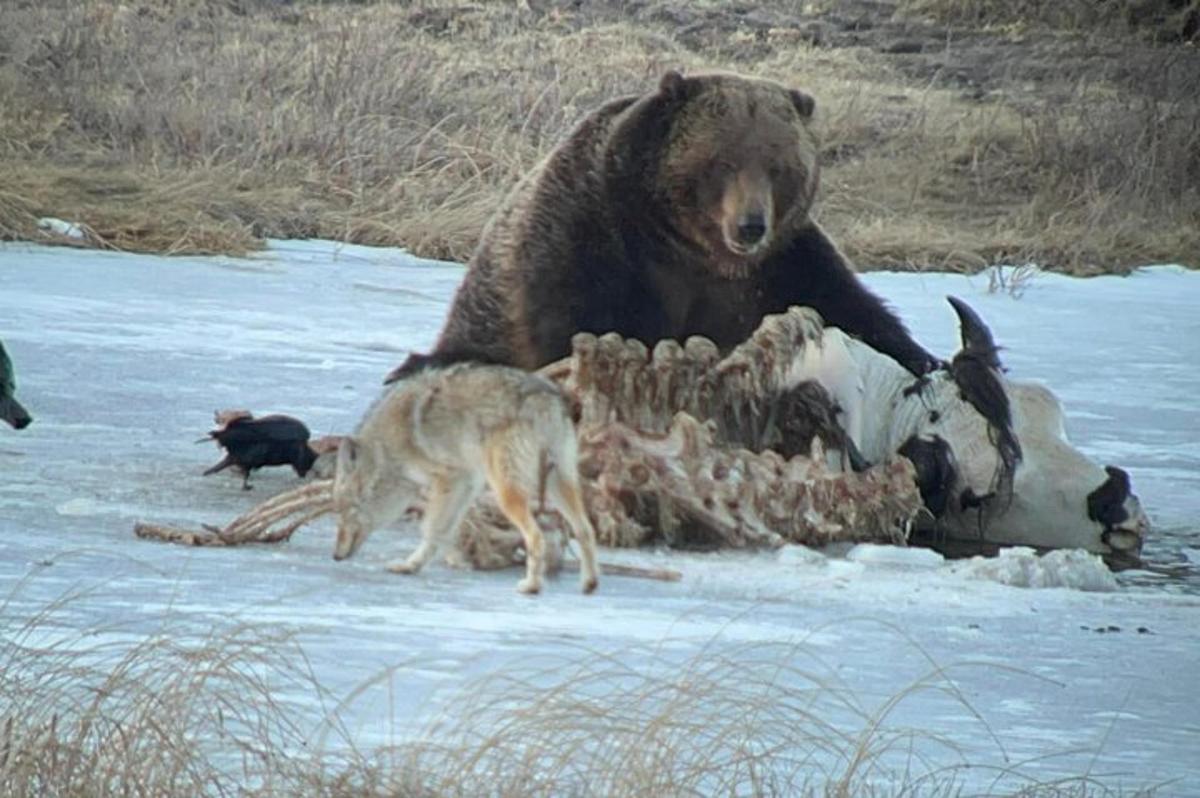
450 497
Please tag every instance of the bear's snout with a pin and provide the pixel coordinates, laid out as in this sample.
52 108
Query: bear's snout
747 233
751 229
745 212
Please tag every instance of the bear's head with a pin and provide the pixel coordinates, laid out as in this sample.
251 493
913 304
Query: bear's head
739 166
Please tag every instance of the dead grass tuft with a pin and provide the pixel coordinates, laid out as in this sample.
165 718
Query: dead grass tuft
1160 20
1094 181
102 713
239 711
191 127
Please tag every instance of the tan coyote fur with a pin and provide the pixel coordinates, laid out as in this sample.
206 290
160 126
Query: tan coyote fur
449 432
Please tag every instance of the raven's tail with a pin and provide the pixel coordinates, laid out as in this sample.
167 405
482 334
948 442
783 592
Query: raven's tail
221 466
12 412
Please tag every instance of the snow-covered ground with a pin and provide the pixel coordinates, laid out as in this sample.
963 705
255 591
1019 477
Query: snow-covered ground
122 360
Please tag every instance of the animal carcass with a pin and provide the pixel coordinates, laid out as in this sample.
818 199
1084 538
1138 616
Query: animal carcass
994 466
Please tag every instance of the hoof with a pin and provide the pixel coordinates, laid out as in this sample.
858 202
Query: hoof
589 586
529 587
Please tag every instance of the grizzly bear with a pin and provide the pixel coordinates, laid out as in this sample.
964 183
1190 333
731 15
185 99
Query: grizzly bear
681 212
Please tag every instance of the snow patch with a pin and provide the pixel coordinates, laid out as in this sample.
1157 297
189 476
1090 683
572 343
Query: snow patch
895 556
796 556
78 507
61 227
1023 567
165 342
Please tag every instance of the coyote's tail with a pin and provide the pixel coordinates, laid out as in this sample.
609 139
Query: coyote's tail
548 420
546 464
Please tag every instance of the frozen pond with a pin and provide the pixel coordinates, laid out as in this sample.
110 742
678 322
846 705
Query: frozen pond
122 360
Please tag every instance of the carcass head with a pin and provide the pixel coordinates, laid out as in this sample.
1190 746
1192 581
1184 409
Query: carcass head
995 466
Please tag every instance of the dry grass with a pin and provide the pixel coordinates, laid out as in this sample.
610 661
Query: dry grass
188 126
107 713
1011 280
181 713
1161 20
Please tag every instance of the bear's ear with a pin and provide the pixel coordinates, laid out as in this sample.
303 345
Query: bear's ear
673 85
804 102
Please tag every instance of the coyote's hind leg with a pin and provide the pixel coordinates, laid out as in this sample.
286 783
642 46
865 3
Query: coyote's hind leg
568 497
514 503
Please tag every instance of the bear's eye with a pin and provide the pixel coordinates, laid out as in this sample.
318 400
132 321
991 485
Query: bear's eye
704 191
718 170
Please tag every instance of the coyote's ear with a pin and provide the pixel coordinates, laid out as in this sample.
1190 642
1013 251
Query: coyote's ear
348 455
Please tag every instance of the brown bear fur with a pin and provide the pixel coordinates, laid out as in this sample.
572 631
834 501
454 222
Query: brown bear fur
681 212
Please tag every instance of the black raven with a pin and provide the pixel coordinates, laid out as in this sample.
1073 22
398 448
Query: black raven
252 443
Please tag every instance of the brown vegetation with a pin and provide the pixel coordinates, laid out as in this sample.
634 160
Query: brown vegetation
110 712
1158 20
189 126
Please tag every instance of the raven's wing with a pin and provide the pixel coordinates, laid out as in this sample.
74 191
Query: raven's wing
278 428
243 432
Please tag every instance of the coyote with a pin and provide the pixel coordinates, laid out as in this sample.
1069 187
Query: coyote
448 432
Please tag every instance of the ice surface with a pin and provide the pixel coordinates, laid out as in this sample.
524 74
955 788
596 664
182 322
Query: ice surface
122 360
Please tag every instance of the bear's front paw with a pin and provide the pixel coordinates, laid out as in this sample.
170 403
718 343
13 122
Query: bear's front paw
925 363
